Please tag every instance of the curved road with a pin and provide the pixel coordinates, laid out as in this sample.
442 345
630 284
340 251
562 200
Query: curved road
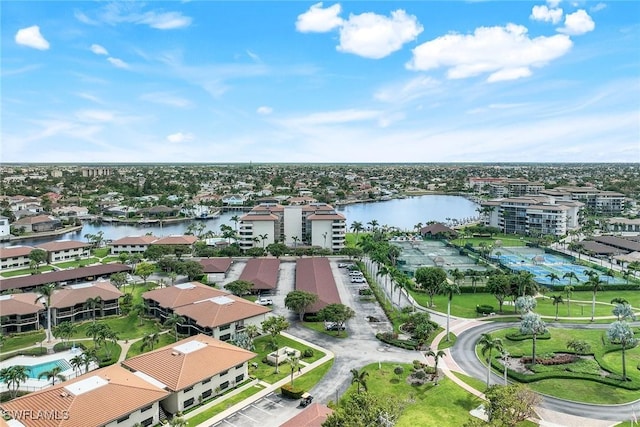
463 352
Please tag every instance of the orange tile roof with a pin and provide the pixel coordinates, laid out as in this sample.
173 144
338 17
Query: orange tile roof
312 416
15 251
177 367
24 303
215 265
259 217
78 294
262 272
182 294
62 245
176 240
110 393
326 216
214 312
135 240
314 275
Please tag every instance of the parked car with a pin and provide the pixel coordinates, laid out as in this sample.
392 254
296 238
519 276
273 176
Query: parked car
264 301
332 326
355 273
346 265
358 279
306 400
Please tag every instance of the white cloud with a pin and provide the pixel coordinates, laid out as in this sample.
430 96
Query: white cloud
409 90
179 137
90 97
553 3
166 98
264 110
544 14
95 116
165 21
376 36
31 37
118 62
319 20
99 50
577 23
506 53
334 117
598 7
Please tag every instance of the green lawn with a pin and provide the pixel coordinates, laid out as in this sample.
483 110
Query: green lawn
506 239
222 406
76 264
101 252
266 372
110 259
19 341
588 391
126 327
164 339
25 271
319 327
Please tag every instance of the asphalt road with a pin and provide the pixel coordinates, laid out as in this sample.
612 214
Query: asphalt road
464 355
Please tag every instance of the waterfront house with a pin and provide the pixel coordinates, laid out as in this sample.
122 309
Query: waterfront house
38 223
192 370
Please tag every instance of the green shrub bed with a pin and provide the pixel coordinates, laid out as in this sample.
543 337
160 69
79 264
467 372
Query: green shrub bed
291 392
517 336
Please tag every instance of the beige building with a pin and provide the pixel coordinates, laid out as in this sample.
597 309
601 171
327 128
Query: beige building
132 244
70 302
15 257
20 312
65 250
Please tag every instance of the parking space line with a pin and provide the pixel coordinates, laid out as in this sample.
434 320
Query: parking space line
247 416
260 409
275 402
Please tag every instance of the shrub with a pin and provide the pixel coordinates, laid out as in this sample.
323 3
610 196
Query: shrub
308 352
291 392
484 309
517 336
398 370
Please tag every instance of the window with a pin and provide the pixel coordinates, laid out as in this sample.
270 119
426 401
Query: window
123 419
240 366
188 402
188 389
224 385
239 378
146 408
225 327
224 373
206 393
147 422
225 337
208 380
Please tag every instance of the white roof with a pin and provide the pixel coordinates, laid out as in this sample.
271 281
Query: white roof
190 347
86 385
150 379
81 285
185 286
5 297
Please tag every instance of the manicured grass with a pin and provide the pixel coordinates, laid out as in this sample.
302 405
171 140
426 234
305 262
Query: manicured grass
427 405
222 406
76 264
19 341
126 327
266 372
164 339
101 252
446 344
507 240
319 327
110 259
606 354
311 378
25 271
477 384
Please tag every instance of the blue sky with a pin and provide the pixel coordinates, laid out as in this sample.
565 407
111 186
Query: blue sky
383 81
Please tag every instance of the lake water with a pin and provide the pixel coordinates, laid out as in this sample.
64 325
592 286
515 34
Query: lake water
401 213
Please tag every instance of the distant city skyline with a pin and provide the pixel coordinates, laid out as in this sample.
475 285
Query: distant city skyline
330 82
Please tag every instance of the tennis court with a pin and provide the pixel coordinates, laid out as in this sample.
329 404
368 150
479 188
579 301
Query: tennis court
541 265
432 253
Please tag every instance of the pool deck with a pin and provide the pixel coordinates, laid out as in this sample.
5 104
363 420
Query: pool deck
32 384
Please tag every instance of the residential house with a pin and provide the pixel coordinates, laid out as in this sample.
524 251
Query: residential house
15 257
65 250
205 309
69 303
107 397
38 223
192 370
20 312
5 227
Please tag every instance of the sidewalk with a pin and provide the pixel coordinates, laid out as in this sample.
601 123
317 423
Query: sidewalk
262 393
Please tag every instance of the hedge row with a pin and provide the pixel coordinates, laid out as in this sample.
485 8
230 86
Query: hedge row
291 392
406 344
521 337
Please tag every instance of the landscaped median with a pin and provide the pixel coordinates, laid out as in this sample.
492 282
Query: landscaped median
266 380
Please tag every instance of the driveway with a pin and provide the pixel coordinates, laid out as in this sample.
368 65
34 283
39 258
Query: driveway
271 410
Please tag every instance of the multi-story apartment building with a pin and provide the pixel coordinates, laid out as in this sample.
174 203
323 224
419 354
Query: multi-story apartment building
599 201
315 224
505 187
534 215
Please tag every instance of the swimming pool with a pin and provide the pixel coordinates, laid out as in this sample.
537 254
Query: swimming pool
34 371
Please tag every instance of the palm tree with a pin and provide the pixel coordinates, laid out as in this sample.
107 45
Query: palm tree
174 321
138 309
92 304
553 277
149 341
621 333
571 276
53 374
595 283
384 271
76 363
449 288
64 330
356 227
360 378
436 357
373 223
557 300
87 357
609 273
488 344
46 292
13 376
294 363
178 422
568 290
263 237
235 219
532 324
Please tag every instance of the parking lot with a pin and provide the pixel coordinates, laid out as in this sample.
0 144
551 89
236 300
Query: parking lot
271 410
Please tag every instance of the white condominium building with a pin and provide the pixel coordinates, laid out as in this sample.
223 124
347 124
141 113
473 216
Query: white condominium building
314 224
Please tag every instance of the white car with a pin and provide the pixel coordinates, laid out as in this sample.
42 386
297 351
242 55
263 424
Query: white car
358 279
264 301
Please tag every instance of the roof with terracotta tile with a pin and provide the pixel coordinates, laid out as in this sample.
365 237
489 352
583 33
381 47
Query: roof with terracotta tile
62 245
93 399
134 240
326 216
314 275
37 219
23 303
189 361
259 217
215 265
15 251
176 240
222 310
262 272
182 294
71 295
62 276
311 416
